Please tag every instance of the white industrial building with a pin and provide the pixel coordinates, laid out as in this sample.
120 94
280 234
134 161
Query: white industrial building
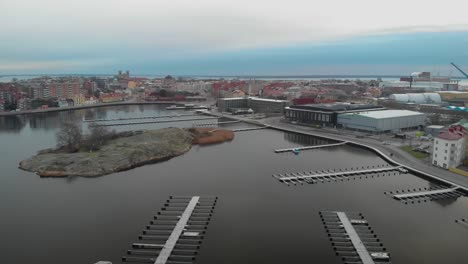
417 98
449 148
382 121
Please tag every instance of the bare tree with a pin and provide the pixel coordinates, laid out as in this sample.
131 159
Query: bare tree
69 136
97 137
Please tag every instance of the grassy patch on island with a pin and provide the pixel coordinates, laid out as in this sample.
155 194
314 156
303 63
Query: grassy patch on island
416 154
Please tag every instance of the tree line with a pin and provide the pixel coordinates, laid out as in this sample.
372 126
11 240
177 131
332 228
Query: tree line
70 137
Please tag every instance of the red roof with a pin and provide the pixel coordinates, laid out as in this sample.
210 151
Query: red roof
453 133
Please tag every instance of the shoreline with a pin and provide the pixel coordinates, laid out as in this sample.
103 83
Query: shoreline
71 108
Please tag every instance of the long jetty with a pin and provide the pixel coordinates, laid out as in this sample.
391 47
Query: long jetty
133 118
310 147
437 193
312 177
152 122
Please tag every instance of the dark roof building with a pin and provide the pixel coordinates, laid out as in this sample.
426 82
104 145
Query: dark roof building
324 114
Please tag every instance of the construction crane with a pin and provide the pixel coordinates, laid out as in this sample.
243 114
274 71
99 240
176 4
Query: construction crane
460 70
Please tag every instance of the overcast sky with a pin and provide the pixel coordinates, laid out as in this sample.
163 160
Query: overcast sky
232 37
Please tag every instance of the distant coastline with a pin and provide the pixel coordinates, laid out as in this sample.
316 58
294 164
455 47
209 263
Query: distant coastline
9 77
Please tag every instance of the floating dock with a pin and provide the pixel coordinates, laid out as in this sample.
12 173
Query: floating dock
418 195
335 175
353 239
426 193
175 234
152 122
310 147
136 118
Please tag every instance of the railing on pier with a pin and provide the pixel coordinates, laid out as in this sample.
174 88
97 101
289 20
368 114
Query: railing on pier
310 147
353 239
175 234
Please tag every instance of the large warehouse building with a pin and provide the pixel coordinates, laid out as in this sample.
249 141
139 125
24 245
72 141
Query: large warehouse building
382 121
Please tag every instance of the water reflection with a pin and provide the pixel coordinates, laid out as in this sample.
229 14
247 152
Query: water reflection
441 202
53 120
12 123
306 140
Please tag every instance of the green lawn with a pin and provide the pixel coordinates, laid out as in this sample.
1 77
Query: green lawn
413 153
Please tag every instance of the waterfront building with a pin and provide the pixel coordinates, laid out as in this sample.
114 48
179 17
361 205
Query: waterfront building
324 114
64 89
263 105
79 99
24 104
91 100
112 97
449 147
40 91
382 121
225 104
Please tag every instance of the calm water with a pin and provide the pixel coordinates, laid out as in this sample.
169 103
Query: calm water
257 219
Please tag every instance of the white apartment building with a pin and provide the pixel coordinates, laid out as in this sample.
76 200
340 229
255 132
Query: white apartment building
449 148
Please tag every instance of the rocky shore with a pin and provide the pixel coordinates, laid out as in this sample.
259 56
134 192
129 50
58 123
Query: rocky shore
123 153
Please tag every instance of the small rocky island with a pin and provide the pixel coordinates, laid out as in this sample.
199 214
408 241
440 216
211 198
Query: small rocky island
124 151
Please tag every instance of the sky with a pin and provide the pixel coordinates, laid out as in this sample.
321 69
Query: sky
242 37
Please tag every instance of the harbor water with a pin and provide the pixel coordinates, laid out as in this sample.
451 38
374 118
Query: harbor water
257 219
